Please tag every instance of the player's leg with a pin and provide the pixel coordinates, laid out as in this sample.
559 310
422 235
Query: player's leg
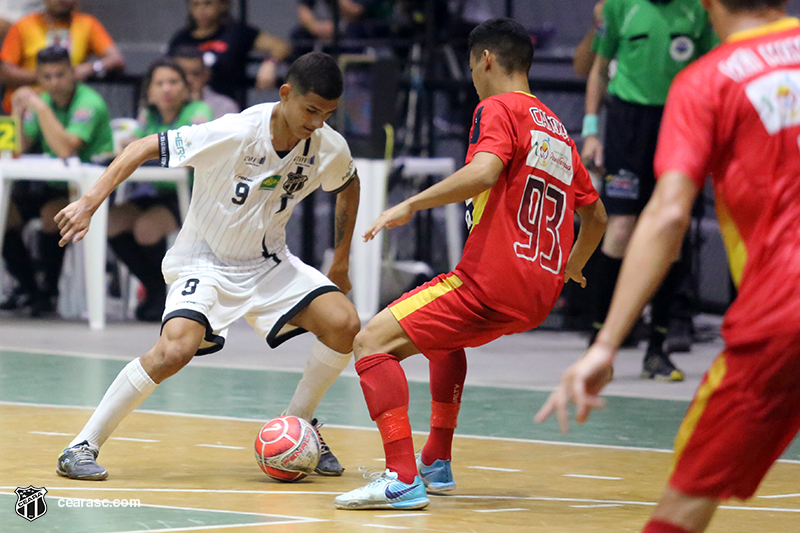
178 343
378 349
52 255
680 513
334 321
447 384
150 231
18 262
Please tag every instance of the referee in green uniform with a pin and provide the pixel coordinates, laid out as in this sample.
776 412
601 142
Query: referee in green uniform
68 119
651 40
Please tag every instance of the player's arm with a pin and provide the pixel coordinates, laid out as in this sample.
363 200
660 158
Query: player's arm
593 226
344 227
73 220
472 179
655 244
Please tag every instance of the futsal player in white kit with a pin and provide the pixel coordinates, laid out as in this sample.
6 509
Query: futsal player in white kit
230 258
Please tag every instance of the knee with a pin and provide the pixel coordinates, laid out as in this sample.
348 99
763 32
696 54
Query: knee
168 357
345 325
364 342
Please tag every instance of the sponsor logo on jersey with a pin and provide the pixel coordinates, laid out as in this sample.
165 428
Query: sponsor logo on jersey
83 115
304 160
252 160
542 119
551 155
681 49
776 98
244 178
179 146
270 183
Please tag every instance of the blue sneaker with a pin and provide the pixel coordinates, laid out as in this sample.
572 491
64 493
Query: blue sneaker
385 491
437 477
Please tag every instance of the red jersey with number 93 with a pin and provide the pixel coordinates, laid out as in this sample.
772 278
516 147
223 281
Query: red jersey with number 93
521 230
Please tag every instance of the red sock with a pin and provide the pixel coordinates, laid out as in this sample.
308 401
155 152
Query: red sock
447 383
659 526
386 391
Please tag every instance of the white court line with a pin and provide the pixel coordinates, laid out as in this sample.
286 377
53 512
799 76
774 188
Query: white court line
289 519
495 468
398 515
595 506
771 496
221 446
384 526
586 476
500 510
197 491
360 428
134 440
53 433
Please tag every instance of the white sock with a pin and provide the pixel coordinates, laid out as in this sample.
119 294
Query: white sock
322 368
131 387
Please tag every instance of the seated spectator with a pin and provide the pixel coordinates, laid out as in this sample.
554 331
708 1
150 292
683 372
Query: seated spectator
12 10
226 44
362 19
198 75
138 228
68 119
90 47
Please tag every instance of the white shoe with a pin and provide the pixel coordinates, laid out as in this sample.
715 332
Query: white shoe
385 491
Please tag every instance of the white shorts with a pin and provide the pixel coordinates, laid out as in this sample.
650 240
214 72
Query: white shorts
268 300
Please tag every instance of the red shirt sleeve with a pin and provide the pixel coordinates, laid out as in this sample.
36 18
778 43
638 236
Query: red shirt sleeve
493 130
585 192
687 128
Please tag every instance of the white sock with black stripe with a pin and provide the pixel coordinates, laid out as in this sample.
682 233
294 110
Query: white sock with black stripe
322 368
127 392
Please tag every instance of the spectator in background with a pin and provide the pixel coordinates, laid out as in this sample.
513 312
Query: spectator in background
584 55
12 10
358 19
138 228
652 40
226 44
198 75
91 49
68 119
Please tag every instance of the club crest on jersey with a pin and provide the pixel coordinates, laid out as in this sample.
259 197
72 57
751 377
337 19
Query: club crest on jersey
294 183
270 183
682 48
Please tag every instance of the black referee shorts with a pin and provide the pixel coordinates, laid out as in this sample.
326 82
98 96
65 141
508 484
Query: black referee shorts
630 147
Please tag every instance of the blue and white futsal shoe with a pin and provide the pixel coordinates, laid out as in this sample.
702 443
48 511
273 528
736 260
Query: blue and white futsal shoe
385 491
437 477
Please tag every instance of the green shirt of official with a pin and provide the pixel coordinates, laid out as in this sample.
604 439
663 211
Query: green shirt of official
652 41
86 116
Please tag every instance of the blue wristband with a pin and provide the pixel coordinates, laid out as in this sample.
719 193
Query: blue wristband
589 126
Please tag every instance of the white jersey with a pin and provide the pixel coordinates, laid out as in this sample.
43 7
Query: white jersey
243 192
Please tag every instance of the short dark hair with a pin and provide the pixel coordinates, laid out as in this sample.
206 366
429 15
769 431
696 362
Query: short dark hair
507 39
317 73
52 54
166 62
186 51
752 5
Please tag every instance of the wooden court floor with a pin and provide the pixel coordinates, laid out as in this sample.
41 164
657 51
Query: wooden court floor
197 473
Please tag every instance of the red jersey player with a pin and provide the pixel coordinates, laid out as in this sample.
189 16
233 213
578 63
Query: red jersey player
734 114
524 178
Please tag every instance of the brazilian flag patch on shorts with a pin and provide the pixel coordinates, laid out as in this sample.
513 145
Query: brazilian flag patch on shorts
270 183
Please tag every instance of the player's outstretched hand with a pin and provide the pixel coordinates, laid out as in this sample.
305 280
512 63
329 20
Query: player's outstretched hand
73 222
574 273
391 218
581 384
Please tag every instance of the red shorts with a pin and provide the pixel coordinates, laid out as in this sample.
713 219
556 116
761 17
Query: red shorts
745 413
443 316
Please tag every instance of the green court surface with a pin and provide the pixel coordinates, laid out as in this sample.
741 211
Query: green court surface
260 395
120 519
